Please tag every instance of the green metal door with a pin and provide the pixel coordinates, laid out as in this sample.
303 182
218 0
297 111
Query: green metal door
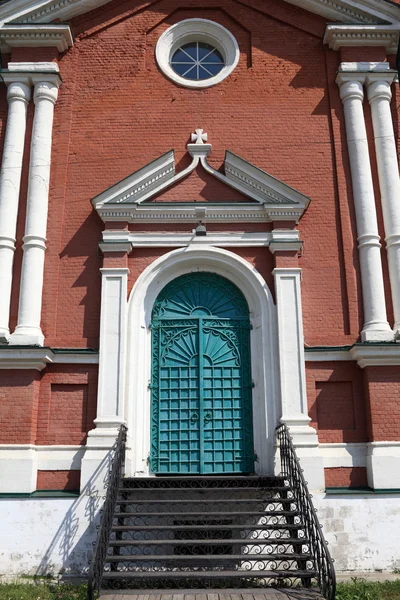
201 417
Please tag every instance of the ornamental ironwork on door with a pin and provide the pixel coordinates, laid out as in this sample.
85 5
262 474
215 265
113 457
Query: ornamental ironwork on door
201 411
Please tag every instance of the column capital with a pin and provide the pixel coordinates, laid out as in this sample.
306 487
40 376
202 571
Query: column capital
351 89
18 90
379 89
45 90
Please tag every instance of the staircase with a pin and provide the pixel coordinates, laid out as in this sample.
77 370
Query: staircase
208 532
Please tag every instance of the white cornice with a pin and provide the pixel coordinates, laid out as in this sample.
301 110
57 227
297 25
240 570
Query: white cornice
32 36
39 358
375 355
327 355
349 11
46 11
352 11
142 184
112 239
387 36
182 212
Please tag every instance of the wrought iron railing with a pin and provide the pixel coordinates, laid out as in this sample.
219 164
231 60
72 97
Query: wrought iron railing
293 473
117 463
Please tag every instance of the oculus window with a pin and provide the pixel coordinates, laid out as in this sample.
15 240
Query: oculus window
197 53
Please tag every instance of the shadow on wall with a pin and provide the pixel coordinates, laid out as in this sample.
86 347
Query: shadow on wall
71 549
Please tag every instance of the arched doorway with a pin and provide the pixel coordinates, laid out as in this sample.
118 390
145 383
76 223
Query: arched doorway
201 405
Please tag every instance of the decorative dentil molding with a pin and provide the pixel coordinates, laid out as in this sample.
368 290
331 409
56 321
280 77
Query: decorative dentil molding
386 36
349 11
272 199
31 36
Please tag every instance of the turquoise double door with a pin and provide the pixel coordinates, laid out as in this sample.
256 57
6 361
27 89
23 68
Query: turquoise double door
201 410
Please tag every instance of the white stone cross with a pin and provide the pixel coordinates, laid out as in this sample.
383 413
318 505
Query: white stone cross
199 137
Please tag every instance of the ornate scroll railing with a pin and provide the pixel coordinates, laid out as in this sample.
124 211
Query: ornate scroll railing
106 522
293 473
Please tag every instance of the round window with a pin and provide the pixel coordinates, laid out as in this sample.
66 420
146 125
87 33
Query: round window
197 53
197 61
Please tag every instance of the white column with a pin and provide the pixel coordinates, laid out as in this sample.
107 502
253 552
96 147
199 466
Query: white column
379 96
376 327
28 330
110 396
292 374
18 96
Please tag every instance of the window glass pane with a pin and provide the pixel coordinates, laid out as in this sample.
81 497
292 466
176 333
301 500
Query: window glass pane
197 61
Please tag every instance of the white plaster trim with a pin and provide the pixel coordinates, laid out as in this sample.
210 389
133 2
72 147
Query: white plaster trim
338 36
263 347
376 355
327 355
114 240
344 454
197 30
44 11
39 358
32 36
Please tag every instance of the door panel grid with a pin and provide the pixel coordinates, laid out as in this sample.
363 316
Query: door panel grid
201 392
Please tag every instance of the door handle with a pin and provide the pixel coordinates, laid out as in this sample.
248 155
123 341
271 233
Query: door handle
207 417
194 417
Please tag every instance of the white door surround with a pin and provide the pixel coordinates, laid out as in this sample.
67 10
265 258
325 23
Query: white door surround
264 350
277 360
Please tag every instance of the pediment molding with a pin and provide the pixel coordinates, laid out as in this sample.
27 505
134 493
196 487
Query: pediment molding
348 11
271 199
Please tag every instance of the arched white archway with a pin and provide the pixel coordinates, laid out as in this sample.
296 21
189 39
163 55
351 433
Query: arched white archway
264 350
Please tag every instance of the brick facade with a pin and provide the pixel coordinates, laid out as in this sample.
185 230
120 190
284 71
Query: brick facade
281 111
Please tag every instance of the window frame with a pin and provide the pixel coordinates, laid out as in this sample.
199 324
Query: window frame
197 30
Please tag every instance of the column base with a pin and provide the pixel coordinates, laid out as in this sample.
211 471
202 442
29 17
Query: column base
305 440
383 465
4 335
384 334
27 336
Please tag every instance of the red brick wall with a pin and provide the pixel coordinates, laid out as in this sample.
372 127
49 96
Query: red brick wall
67 481
336 401
19 397
382 389
68 401
347 477
116 112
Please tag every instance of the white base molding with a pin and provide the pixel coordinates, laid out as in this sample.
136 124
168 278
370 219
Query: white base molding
38 537
26 336
19 464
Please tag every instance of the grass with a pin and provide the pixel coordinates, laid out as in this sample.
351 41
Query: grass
42 591
359 589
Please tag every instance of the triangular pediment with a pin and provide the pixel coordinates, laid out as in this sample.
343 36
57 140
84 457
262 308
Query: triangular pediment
347 11
250 184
